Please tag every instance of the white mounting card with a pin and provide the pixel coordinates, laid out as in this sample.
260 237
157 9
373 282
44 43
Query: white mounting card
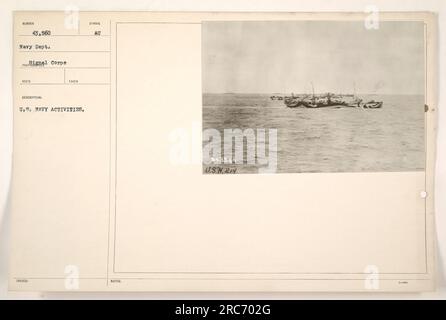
223 151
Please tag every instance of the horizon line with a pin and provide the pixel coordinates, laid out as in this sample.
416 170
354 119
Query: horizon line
325 92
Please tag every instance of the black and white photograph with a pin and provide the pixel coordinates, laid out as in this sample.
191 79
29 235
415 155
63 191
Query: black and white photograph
313 96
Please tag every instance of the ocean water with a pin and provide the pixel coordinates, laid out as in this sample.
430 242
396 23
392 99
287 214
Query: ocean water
327 139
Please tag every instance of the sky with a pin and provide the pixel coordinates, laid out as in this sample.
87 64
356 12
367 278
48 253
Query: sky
287 56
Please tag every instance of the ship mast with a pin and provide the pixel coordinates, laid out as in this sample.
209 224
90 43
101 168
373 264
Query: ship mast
312 88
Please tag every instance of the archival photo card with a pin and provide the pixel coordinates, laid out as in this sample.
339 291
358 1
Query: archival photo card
313 96
125 123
